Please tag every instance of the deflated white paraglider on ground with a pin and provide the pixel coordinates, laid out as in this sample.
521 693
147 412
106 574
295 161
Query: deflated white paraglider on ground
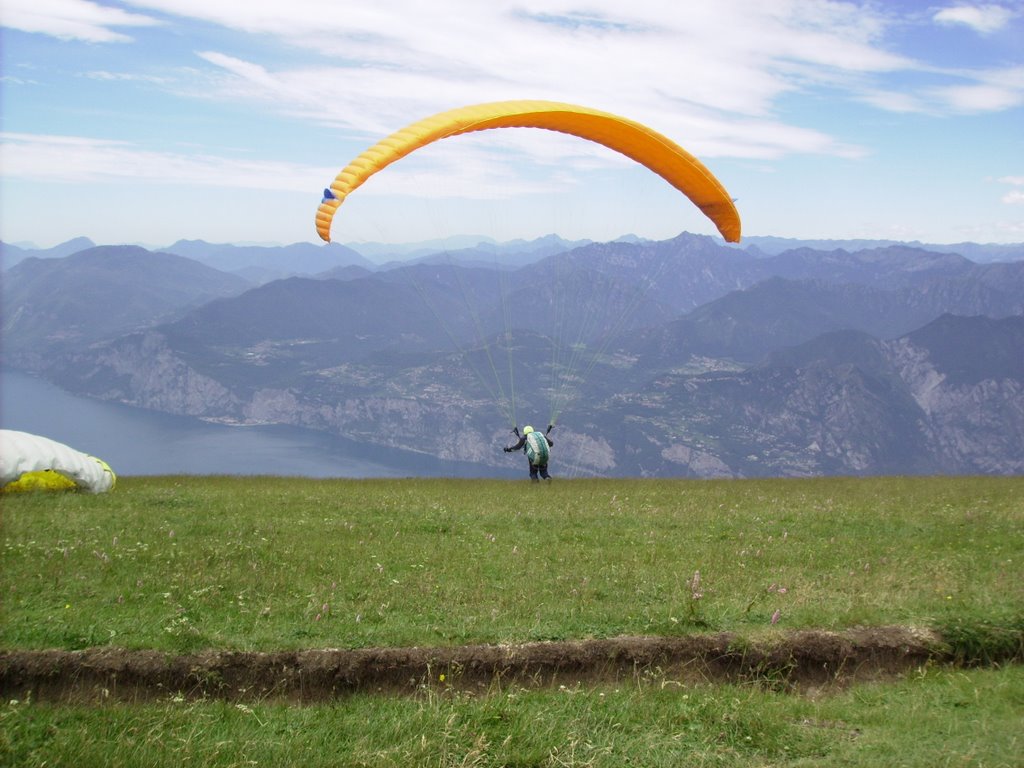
32 462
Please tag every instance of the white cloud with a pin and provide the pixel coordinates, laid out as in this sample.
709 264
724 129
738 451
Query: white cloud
78 160
708 75
334 97
693 70
981 98
1014 196
12 80
753 80
72 19
961 92
984 19
893 101
123 77
473 168
736 56
991 91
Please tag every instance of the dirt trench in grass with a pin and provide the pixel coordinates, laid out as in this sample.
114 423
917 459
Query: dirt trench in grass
805 661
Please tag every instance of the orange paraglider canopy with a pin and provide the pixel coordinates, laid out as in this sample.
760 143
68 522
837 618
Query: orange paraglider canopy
638 142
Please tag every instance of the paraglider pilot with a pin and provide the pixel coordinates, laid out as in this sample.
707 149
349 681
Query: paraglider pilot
537 449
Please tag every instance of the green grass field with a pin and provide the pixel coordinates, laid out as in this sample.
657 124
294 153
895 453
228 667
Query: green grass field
935 718
180 564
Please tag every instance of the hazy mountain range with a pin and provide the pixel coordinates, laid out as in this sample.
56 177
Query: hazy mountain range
678 357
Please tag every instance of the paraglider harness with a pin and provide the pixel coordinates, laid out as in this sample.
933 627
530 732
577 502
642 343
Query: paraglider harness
534 444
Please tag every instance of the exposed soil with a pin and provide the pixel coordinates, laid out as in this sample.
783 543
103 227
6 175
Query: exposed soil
807 661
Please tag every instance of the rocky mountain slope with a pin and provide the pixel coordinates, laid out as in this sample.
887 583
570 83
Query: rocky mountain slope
675 358
56 304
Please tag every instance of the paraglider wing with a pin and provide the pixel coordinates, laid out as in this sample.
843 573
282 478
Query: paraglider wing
659 153
29 461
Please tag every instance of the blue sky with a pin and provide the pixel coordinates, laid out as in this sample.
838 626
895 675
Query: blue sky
149 121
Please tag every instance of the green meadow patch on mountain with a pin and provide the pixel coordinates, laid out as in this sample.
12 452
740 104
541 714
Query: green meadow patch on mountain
183 563
186 566
933 717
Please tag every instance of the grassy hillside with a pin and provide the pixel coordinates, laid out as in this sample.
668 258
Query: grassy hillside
183 563
935 718
263 563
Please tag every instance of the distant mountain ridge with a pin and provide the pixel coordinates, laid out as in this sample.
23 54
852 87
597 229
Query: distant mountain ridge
978 252
264 263
55 304
702 360
12 254
232 257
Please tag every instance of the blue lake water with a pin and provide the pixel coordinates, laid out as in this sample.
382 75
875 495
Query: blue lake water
134 441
